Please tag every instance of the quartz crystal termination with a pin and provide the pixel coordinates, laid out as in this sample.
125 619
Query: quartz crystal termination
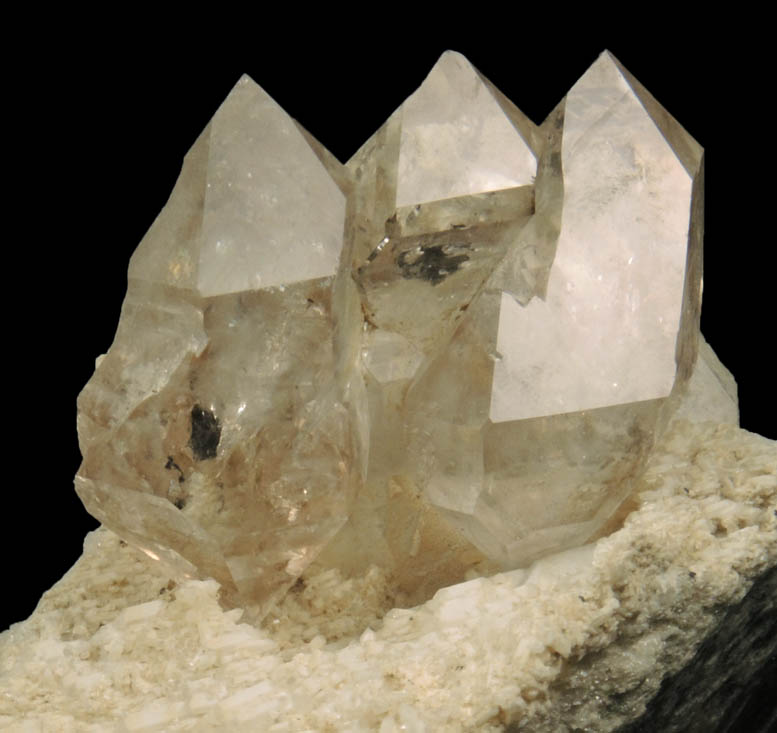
443 192
217 432
532 300
453 354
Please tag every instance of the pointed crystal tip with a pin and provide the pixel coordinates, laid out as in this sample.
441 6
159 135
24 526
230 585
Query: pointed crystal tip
457 140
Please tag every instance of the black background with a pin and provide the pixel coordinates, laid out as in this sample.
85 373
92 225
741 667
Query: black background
98 129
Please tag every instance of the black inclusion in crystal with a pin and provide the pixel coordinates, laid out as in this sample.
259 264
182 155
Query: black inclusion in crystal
206 433
432 263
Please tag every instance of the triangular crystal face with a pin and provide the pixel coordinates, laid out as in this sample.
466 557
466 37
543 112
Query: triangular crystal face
273 214
441 191
456 139
688 151
255 205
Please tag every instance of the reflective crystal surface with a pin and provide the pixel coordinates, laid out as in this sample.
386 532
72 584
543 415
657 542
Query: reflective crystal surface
520 368
451 355
215 432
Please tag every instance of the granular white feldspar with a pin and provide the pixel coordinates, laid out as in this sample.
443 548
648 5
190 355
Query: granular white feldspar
115 646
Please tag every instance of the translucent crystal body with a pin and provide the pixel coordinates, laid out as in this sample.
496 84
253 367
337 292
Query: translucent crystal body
452 354
214 432
548 323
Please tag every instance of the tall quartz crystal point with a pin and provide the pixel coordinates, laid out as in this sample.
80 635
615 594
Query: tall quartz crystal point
444 190
532 300
218 432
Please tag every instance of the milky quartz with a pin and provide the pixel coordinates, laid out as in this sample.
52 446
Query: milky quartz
452 354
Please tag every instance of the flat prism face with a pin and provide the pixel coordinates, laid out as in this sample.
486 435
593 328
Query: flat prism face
453 354
606 331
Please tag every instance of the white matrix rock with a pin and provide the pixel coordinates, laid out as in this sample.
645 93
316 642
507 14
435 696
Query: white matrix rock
116 646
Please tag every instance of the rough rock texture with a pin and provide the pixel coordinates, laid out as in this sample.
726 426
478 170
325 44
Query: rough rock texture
579 641
737 668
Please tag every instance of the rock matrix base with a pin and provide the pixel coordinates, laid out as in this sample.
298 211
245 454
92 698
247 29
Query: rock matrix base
579 641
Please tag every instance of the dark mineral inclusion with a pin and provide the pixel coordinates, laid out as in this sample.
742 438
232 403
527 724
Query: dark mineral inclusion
206 433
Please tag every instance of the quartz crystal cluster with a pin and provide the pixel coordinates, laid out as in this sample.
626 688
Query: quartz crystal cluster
452 354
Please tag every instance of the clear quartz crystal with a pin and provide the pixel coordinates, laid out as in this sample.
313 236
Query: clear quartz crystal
452 354
573 384
217 432
549 323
